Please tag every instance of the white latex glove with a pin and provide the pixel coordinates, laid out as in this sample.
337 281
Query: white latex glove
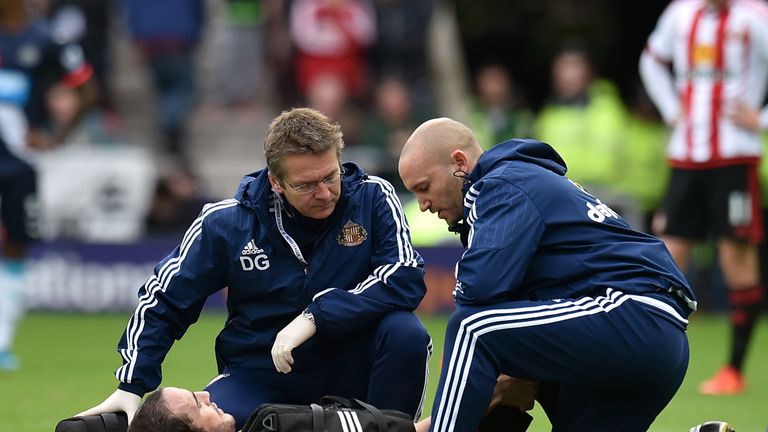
120 400
293 335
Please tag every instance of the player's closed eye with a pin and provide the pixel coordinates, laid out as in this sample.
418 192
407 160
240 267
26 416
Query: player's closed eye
308 188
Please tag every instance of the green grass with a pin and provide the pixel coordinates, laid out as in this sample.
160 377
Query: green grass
68 362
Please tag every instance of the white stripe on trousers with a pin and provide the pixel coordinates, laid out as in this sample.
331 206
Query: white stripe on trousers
474 326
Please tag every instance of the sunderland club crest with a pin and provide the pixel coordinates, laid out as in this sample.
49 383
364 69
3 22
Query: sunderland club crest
352 234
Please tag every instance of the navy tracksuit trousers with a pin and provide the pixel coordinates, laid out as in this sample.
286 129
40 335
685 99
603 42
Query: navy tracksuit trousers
385 365
618 358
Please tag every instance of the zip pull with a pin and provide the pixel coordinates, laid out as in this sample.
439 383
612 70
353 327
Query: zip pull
306 270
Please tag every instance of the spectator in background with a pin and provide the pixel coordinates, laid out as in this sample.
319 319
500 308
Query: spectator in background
167 33
401 46
37 9
92 127
32 61
497 113
584 121
331 38
239 47
393 120
87 23
175 206
329 95
279 51
718 50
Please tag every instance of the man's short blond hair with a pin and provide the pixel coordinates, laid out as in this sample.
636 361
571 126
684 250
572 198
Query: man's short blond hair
300 131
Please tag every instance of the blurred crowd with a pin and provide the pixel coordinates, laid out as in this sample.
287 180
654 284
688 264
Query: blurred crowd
362 63
368 64
179 94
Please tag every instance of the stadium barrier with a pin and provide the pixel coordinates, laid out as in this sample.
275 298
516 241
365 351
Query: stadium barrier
76 276
95 193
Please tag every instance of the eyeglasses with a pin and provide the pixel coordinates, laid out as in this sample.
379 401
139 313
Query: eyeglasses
308 188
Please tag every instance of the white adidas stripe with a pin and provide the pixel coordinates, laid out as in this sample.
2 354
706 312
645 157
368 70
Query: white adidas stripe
322 293
148 300
470 201
160 282
380 274
405 249
474 326
471 196
420 408
342 421
356 421
460 347
471 219
349 421
406 254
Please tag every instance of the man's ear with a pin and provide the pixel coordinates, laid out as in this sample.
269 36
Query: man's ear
275 183
461 160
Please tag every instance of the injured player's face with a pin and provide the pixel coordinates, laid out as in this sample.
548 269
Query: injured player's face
198 408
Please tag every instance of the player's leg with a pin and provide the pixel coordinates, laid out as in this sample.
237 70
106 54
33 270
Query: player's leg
745 295
18 193
613 408
240 391
471 365
385 365
684 216
609 343
738 226
631 399
680 248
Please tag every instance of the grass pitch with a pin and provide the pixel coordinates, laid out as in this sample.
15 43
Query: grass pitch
68 361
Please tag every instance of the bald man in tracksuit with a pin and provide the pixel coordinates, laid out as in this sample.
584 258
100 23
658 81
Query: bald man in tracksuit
554 286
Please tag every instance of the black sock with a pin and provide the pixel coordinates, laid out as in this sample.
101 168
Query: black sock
745 308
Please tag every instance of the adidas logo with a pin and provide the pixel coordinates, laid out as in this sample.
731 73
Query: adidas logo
259 260
252 249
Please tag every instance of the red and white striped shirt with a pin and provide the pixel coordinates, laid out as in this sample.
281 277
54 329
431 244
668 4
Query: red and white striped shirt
720 57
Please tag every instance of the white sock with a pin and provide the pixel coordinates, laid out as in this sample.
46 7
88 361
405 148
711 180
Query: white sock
11 301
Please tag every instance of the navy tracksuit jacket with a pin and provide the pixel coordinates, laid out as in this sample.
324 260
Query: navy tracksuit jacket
556 287
361 283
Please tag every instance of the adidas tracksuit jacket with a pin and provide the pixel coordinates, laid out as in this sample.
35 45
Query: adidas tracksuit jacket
363 268
555 286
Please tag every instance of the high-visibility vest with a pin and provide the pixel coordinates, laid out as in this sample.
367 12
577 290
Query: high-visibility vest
644 167
586 136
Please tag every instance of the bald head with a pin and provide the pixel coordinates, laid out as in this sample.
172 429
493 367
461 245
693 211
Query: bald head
431 164
438 138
